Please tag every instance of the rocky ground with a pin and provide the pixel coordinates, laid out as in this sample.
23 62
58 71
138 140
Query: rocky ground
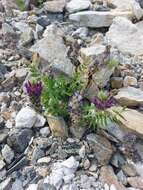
66 33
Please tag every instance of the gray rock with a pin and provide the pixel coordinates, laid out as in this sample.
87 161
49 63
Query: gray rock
45 131
78 5
40 121
43 21
2 164
97 19
26 37
7 154
137 10
19 139
7 29
120 35
37 154
6 184
121 177
3 71
102 148
46 186
26 118
56 55
17 185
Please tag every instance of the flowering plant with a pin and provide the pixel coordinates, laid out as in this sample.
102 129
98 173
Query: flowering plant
97 113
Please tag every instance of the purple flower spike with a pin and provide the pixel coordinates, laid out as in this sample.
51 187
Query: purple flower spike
103 104
34 90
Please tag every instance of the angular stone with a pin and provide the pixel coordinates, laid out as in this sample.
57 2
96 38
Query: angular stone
116 82
6 184
110 179
78 5
137 10
97 19
130 81
26 118
26 37
56 6
19 139
58 126
132 121
101 147
53 51
8 154
136 182
125 36
130 96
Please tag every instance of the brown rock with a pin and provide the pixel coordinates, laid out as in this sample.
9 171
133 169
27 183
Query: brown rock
101 147
129 170
116 82
56 6
130 97
57 126
136 182
107 176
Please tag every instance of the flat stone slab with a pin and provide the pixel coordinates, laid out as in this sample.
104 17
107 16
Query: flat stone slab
97 19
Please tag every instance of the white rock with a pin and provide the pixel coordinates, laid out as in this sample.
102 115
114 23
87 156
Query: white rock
26 118
112 187
68 178
106 187
125 36
45 131
6 184
2 164
44 160
7 154
40 121
78 5
82 152
32 187
17 185
53 51
130 81
137 10
97 19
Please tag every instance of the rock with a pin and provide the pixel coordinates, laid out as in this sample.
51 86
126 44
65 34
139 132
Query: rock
3 135
44 160
46 186
70 165
130 97
57 126
2 164
121 177
137 10
132 121
3 71
26 37
106 187
120 35
3 174
112 187
26 118
101 147
40 122
43 21
82 152
125 5
56 55
6 184
17 185
130 81
19 139
7 154
45 131
7 29
37 154
81 32
136 182
110 179
129 170
32 187
56 6
116 82
78 5
97 19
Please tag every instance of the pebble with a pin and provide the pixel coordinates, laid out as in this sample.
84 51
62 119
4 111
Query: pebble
7 154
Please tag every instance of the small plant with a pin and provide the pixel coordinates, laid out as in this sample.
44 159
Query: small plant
98 114
54 93
20 4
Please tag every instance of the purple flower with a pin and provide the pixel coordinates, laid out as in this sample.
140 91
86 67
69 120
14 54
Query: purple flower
34 89
103 104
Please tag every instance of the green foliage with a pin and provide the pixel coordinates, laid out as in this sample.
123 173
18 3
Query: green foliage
112 63
93 117
20 4
57 91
